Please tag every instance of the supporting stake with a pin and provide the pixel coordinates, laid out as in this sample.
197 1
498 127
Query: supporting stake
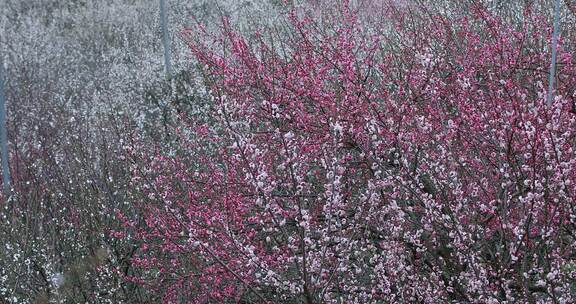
3 133
165 38
554 47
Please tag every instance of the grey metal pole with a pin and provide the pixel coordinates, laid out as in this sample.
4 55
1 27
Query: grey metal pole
165 38
3 133
554 47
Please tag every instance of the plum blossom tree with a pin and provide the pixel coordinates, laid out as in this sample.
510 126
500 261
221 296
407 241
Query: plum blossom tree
405 156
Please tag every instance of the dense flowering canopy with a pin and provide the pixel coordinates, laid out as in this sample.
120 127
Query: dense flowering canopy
407 157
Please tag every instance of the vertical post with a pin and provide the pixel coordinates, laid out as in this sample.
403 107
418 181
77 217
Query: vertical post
3 133
165 38
554 47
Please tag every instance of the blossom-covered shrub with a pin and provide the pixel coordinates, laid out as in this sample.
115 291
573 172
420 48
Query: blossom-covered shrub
400 156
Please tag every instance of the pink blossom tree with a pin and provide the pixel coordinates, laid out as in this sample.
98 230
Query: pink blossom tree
405 156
